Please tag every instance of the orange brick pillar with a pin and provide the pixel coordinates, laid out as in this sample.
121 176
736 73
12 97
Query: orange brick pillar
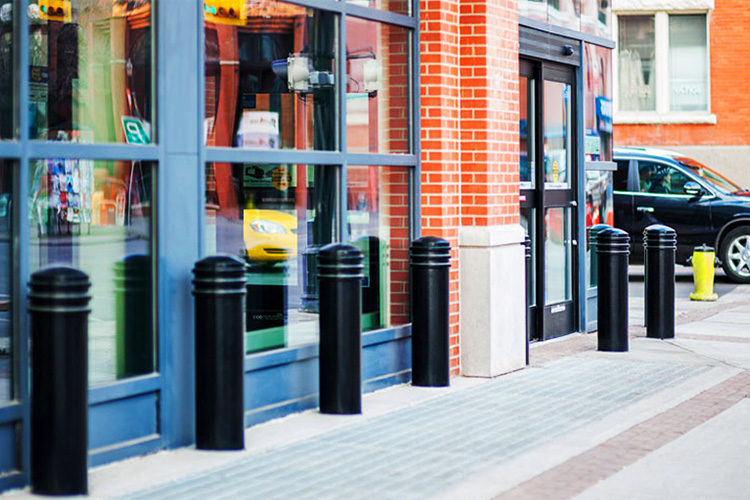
440 101
470 177
493 328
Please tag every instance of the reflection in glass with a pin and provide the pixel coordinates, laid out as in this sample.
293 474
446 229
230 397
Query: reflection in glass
596 17
8 115
91 71
275 218
533 9
397 6
564 13
557 136
377 89
378 221
597 107
527 132
6 281
688 63
96 216
270 78
558 255
599 210
637 76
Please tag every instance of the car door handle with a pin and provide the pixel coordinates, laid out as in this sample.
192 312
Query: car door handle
645 210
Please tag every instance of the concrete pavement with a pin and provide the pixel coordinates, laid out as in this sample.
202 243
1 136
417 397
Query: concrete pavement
669 419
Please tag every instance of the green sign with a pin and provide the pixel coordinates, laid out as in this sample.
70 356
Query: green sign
135 132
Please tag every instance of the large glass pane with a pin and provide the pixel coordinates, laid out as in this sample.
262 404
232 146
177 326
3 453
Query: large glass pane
377 89
533 9
557 135
6 281
597 108
566 13
558 255
596 16
378 220
8 73
637 76
398 6
527 128
599 210
96 216
275 218
688 63
270 77
91 71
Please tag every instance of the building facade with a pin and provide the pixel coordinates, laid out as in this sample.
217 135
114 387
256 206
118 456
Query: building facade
138 136
680 71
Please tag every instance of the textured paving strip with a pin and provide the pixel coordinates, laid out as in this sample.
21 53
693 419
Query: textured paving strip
580 473
423 449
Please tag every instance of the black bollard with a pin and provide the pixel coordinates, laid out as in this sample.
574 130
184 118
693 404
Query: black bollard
430 345
58 311
219 289
134 331
340 287
660 243
613 248
593 242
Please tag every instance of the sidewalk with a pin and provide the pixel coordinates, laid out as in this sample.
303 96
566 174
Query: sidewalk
669 419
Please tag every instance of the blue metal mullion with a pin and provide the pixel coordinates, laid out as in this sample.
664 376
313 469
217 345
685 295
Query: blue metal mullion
383 160
21 359
415 132
580 194
10 149
200 113
270 156
51 149
341 225
11 412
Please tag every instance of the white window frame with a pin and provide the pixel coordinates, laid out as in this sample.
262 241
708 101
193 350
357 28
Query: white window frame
661 73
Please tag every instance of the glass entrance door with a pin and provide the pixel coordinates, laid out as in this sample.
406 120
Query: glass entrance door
547 178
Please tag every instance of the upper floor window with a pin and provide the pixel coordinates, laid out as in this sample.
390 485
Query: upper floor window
663 65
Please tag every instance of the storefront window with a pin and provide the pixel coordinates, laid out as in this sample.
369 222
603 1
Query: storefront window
270 78
377 98
6 281
91 71
7 73
378 221
397 6
637 77
96 216
275 218
597 108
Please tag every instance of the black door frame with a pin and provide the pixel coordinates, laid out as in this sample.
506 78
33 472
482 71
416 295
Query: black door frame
543 322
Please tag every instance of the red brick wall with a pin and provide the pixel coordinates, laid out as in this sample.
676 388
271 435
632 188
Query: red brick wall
729 48
469 113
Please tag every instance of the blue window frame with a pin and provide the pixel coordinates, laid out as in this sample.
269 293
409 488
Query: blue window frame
148 416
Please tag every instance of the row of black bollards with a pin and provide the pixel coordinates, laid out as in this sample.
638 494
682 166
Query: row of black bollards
612 247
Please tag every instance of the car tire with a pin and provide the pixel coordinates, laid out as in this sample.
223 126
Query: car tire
735 254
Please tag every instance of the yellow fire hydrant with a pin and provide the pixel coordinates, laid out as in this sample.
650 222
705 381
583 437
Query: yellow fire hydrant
703 274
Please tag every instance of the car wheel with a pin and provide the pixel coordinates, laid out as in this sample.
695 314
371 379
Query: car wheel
735 254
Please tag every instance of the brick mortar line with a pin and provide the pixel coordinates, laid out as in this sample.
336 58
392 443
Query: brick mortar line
585 470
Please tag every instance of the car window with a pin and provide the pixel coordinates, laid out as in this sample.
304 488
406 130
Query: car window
658 178
620 177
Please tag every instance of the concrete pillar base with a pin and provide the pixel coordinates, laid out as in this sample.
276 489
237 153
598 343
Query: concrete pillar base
493 305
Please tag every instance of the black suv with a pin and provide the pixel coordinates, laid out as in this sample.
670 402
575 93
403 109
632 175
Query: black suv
662 187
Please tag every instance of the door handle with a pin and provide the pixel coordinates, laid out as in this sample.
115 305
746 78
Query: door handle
645 210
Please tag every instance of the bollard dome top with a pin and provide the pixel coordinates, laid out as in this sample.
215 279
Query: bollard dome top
219 263
430 251
339 260
659 229
60 276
